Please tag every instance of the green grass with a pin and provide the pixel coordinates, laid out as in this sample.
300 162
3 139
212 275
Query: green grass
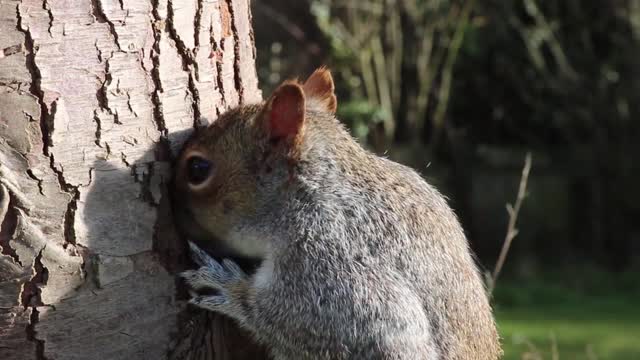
590 322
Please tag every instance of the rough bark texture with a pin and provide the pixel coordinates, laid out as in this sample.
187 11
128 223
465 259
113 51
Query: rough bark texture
95 97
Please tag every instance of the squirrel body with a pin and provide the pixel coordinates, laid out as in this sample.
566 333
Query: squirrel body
360 258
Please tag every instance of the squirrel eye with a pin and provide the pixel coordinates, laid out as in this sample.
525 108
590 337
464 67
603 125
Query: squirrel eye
198 170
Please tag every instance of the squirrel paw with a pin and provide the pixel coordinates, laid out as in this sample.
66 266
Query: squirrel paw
226 277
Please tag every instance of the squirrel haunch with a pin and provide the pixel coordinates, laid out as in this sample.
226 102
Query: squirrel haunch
359 257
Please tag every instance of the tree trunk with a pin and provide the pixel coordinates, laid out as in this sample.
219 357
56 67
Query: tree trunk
95 97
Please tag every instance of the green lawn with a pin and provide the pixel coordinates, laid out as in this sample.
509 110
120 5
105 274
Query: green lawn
585 324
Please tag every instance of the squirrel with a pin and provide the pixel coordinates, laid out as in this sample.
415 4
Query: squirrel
358 257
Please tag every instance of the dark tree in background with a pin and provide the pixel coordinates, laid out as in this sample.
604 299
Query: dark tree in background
562 78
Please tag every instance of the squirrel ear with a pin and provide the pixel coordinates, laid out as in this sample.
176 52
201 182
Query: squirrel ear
319 88
284 112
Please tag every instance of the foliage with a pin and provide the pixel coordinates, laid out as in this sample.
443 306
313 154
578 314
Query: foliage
392 54
360 115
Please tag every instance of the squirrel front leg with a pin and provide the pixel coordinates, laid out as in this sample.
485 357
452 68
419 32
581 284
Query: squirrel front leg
232 283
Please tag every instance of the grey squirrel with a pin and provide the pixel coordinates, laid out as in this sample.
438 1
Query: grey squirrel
359 257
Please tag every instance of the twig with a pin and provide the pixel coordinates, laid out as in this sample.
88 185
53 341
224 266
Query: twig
591 355
554 347
447 72
294 30
533 353
381 70
512 231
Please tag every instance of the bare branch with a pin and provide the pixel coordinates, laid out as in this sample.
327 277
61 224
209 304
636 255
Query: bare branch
447 73
294 30
512 231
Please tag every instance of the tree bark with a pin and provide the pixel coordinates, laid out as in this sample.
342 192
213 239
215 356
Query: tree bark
95 97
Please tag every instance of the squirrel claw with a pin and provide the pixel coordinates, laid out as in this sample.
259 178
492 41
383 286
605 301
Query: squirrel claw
209 302
204 278
225 276
200 256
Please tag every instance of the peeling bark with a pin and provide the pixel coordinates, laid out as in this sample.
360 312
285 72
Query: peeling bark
95 99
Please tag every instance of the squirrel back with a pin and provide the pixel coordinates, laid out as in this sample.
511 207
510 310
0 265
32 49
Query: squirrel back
360 257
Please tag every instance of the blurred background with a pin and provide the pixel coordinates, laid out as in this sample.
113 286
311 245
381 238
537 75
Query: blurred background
461 91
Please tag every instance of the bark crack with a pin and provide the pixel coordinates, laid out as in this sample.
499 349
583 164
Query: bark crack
70 216
216 52
188 62
158 27
129 106
101 17
99 52
29 116
31 298
10 50
236 53
46 118
196 33
46 6
34 177
101 95
8 224
98 133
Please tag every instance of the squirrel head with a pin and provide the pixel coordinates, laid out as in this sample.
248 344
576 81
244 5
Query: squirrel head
230 170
